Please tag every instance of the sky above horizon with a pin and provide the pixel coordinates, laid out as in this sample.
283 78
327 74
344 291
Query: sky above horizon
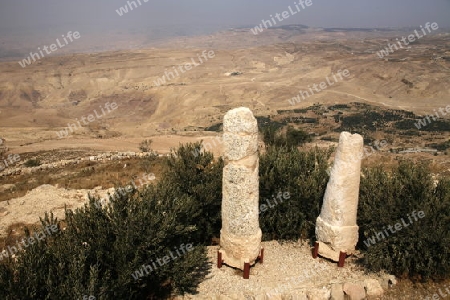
102 15
26 25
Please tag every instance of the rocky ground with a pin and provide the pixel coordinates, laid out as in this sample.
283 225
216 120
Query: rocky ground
290 272
26 210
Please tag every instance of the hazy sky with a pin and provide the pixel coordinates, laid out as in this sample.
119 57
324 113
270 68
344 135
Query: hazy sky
24 24
101 14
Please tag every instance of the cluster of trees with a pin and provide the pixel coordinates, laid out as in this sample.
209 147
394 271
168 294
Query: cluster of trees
101 246
291 137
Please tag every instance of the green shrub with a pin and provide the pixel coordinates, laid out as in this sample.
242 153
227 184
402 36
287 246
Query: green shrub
101 248
443 146
216 127
421 250
145 145
296 137
292 138
302 174
197 175
32 163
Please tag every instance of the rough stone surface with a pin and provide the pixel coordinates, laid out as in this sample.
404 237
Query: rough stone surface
373 287
298 295
328 252
240 237
387 281
336 225
337 292
288 270
355 291
45 198
273 296
319 294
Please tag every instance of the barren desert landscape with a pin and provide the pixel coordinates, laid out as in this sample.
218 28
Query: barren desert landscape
109 111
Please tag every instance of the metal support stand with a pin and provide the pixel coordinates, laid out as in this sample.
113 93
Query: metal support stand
316 250
246 270
342 255
219 259
246 264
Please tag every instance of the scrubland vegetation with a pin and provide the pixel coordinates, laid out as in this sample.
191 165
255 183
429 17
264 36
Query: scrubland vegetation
98 248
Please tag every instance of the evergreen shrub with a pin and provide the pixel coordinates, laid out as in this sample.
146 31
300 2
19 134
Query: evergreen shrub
419 250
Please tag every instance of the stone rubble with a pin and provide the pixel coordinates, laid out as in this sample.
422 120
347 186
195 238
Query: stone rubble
107 156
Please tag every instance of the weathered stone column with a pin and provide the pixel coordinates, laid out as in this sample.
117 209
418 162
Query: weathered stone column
336 228
240 237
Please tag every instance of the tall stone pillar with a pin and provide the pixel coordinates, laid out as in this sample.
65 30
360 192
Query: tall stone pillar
336 228
240 236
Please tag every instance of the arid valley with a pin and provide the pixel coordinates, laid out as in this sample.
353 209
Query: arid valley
73 124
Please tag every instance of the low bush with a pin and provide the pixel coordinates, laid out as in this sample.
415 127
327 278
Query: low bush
145 145
420 250
101 249
104 251
302 174
273 136
32 163
195 174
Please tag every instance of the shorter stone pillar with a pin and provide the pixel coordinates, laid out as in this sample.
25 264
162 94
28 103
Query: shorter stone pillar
336 228
240 236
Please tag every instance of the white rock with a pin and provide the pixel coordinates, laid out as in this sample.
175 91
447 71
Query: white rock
298 295
373 287
270 296
319 294
387 281
355 291
337 292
